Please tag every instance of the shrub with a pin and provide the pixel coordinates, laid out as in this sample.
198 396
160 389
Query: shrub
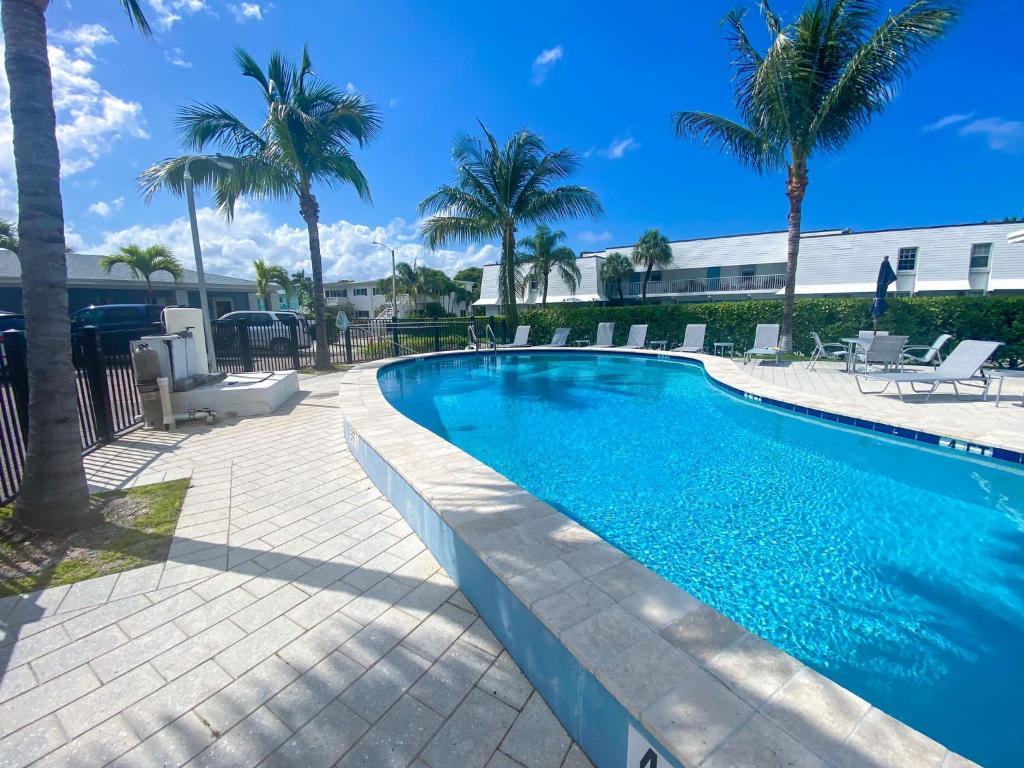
999 318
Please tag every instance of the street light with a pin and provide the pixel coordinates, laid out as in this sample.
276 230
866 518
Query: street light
204 301
394 281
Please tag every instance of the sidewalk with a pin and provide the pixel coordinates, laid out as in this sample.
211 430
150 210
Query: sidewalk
297 621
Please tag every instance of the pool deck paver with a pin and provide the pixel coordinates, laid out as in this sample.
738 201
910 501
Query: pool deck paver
298 620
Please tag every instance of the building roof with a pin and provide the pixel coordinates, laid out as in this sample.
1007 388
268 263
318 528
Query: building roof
85 268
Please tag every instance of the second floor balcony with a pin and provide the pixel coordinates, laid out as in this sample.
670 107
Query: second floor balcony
704 285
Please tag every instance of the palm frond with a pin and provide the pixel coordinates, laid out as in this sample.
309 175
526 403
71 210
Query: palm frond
340 168
200 124
137 17
731 137
566 202
439 231
250 68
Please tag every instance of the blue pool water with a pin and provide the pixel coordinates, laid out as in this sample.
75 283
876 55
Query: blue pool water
896 570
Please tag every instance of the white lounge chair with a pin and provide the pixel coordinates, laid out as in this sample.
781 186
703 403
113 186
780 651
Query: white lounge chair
693 338
867 335
766 342
560 337
604 335
883 350
922 355
522 338
825 351
961 367
637 337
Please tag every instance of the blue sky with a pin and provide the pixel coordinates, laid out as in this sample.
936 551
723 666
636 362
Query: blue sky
603 80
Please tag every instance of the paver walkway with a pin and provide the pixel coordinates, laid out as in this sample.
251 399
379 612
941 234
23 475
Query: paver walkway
297 622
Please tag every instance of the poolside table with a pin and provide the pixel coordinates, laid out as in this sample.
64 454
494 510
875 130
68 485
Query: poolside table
582 342
659 344
721 346
1001 375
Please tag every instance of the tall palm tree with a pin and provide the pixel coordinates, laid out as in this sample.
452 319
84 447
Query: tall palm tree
820 80
614 270
305 139
498 188
53 493
268 275
144 263
651 250
8 236
543 254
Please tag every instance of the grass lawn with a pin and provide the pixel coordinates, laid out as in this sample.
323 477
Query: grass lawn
137 528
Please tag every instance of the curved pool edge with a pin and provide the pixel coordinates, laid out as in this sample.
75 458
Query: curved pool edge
625 659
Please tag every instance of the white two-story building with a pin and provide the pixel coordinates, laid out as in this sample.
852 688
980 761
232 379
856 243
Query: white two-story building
372 303
957 259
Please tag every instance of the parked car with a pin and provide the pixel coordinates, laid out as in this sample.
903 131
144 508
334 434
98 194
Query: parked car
269 331
11 321
119 317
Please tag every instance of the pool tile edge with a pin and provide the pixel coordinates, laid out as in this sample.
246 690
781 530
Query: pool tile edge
737 690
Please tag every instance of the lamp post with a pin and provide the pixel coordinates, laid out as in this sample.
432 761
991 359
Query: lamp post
197 250
394 281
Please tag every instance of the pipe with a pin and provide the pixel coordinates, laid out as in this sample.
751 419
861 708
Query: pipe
164 385
198 413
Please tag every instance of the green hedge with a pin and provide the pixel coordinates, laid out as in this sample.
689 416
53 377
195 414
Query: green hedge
921 318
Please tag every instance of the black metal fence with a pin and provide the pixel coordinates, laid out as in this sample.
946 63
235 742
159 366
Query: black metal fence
279 345
108 403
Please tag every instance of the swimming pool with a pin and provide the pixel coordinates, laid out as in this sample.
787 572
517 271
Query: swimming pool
895 570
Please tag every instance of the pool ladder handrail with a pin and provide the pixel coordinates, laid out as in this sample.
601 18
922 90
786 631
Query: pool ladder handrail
492 340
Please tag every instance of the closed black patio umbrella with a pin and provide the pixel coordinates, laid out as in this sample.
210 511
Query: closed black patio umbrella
886 277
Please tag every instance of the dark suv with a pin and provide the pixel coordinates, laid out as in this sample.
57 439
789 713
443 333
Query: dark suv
119 317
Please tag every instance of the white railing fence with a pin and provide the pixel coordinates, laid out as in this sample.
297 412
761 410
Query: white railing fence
723 284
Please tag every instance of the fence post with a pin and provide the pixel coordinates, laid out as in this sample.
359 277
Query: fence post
437 337
348 345
16 351
293 333
395 348
244 350
96 376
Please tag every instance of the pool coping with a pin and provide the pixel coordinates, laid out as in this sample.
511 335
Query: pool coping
620 654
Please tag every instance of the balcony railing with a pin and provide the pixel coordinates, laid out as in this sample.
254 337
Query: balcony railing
724 284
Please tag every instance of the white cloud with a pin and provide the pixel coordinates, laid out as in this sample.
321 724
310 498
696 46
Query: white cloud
619 147
545 60
350 87
347 248
393 102
85 39
104 209
245 12
948 120
169 12
176 56
1002 135
590 237
90 119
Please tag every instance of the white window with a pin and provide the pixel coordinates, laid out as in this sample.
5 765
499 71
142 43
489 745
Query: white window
339 293
980 255
358 291
361 312
907 260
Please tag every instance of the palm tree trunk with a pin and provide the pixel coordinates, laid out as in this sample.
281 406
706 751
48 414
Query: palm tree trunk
310 210
544 295
53 494
796 187
647 276
508 256
149 291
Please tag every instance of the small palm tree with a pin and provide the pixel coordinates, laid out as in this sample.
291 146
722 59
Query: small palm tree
543 254
302 284
144 263
616 269
8 236
821 79
496 189
268 275
651 250
305 139
53 494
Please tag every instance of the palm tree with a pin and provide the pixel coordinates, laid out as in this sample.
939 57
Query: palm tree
615 269
544 254
53 493
651 250
498 188
821 79
144 262
8 236
303 287
268 275
305 139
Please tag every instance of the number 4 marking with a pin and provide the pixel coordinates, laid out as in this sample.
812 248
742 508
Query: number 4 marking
650 760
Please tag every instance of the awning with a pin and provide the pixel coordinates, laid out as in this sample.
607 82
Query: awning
1006 284
831 288
961 284
1017 238
482 302
579 297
